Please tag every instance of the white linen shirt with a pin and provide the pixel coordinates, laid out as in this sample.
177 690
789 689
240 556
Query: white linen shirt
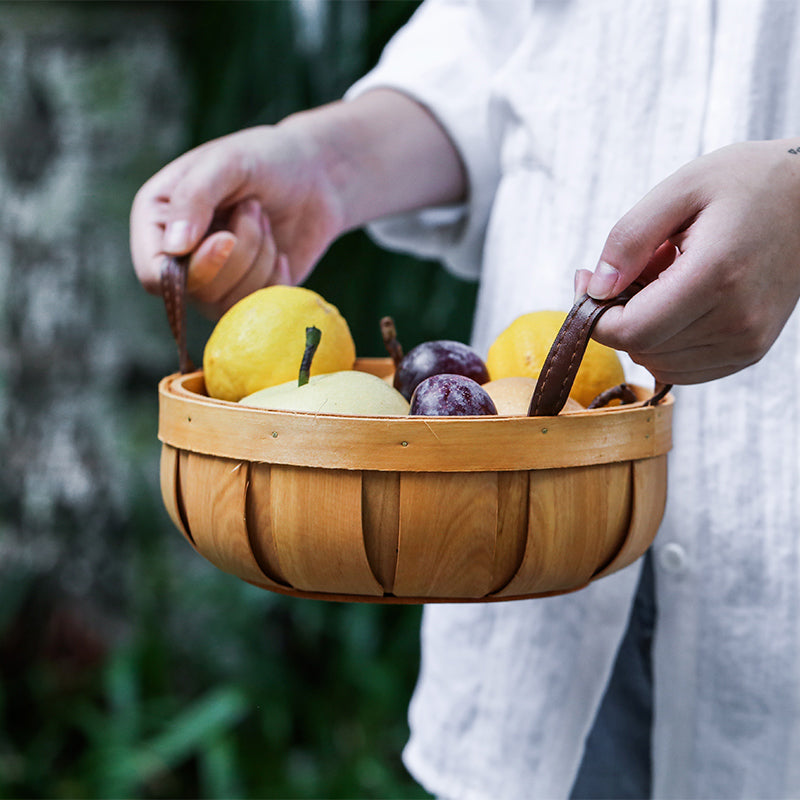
565 113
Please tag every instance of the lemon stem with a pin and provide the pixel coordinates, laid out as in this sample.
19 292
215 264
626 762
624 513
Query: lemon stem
313 335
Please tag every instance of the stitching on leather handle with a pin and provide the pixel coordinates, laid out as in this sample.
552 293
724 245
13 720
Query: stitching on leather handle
173 290
554 357
579 348
544 379
167 293
558 343
542 404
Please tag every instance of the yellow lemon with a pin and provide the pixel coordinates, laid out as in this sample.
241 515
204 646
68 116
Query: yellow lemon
520 350
260 340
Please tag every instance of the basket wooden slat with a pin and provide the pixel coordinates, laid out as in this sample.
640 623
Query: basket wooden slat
649 489
213 492
381 523
448 527
317 526
169 488
258 514
577 520
513 490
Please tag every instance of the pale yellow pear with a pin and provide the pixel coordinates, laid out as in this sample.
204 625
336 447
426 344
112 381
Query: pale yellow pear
348 392
512 396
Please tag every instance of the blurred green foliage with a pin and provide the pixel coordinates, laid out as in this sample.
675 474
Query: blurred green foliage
270 74
206 686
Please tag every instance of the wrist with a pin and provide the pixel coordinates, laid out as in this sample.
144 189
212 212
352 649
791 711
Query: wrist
316 136
792 147
378 155
787 169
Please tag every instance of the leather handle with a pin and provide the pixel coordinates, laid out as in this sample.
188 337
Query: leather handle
561 365
173 291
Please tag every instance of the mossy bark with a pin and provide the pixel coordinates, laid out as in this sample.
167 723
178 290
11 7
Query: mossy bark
90 103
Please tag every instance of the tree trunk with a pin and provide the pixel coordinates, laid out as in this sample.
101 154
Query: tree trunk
90 106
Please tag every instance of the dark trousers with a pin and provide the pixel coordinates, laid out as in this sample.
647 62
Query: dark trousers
616 762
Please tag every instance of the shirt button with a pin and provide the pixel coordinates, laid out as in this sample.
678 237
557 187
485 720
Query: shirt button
673 557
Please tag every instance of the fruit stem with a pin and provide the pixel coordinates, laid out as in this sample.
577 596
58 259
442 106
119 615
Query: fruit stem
389 334
621 392
313 335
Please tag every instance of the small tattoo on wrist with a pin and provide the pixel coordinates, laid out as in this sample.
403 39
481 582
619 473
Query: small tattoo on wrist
795 151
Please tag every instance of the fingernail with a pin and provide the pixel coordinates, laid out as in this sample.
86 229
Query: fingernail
176 237
582 278
602 282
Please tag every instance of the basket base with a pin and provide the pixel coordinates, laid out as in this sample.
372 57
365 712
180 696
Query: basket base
390 599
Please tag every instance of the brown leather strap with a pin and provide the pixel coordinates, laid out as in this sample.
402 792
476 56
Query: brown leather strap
173 290
562 362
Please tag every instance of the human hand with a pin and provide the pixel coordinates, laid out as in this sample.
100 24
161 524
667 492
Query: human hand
718 246
251 209
262 205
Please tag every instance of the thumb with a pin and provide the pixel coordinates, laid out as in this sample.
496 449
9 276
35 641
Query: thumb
635 239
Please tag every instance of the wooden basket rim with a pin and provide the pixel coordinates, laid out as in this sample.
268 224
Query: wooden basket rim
190 420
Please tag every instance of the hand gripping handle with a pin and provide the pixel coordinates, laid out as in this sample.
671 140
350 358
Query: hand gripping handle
561 365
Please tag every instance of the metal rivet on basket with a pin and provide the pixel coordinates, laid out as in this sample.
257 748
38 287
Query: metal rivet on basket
404 444
274 434
544 430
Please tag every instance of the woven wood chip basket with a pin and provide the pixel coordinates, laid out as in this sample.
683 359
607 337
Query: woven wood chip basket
415 509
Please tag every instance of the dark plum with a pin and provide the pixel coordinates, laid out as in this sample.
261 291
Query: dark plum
437 357
448 395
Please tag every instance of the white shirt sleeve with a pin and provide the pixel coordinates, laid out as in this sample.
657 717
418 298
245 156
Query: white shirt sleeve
442 58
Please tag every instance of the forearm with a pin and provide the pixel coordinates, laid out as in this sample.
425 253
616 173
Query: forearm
382 154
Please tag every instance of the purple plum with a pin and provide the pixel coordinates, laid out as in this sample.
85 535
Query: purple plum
448 395
434 358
